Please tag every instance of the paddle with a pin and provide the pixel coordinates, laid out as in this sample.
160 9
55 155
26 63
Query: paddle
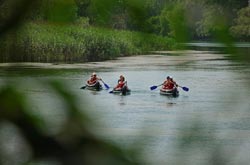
83 87
154 87
107 87
184 88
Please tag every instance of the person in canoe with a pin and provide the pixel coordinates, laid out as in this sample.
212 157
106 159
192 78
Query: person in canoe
169 83
121 88
121 83
93 79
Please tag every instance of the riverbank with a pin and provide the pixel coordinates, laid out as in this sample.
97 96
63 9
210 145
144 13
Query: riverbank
43 42
159 58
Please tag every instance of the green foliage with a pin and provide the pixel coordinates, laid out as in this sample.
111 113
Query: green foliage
100 13
173 17
229 4
61 11
154 25
242 28
161 17
54 43
137 15
213 20
154 7
82 7
82 22
129 14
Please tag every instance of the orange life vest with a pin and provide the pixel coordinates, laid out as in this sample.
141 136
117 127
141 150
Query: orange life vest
168 85
92 80
120 84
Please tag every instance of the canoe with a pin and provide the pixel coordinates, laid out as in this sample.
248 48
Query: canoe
169 92
124 91
96 87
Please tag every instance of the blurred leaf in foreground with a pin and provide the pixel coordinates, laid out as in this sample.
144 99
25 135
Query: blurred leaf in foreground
12 12
74 144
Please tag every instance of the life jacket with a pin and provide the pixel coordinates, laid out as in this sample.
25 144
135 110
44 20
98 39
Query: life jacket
120 84
168 85
92 80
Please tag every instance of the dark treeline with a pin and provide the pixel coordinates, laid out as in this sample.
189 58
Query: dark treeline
90 30
200 17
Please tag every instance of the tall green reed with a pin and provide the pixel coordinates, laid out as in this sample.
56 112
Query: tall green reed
43 42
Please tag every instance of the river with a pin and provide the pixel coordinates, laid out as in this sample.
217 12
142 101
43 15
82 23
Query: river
217 102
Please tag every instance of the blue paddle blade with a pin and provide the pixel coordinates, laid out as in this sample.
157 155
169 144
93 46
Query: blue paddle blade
185 88
106 86
153 87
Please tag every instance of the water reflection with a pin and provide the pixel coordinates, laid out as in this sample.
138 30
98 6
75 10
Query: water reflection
122 101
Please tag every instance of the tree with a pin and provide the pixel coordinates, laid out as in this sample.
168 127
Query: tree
82 7
173 22
62 11
242 27
229 4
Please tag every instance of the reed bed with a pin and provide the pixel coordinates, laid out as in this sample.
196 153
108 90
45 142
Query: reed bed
43 42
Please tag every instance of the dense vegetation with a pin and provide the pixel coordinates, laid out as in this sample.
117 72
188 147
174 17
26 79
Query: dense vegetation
89 30
200 18
72 43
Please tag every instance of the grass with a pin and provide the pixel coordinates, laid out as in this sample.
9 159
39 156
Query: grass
43 42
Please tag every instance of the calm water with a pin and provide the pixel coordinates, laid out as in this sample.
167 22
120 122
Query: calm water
217 101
